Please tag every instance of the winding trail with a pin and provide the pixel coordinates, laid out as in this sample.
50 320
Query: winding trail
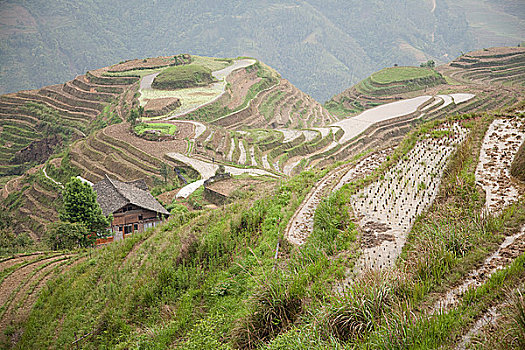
302 222
50 178
500 145
207 170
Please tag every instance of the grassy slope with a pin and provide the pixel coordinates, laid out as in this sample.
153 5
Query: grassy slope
208 281
179 77
400 74
384 83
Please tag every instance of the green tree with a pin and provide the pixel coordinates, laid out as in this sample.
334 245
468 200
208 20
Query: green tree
80 206
135 114
164 172
67 235
428 64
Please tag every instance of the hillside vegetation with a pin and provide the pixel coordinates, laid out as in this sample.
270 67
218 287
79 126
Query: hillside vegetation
209 279
180 77
403 227
383 86
322 47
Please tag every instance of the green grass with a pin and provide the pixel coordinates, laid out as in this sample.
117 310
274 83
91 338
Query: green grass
140 73
179 77
164 128
207 279
400 74
211 63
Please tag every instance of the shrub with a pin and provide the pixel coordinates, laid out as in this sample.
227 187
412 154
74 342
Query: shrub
179 77
66 235
272 308
361 308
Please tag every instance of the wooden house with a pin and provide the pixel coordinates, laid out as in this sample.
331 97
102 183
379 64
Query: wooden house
134 209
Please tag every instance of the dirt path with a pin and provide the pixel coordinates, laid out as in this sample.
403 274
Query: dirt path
500 145
387 208
302 223
50 178
221 85
207 170
509 249
11 282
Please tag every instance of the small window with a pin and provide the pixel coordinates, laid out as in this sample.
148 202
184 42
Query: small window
120 228
135 227
140 216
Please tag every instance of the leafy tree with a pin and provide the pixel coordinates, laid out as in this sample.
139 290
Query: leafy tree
221 170
135 114
67 235
80 206
428 64
164 172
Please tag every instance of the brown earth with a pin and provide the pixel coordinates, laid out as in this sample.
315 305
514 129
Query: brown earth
240 83
38 150
161 106
157 149
154 62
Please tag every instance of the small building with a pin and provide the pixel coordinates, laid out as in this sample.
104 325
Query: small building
134 209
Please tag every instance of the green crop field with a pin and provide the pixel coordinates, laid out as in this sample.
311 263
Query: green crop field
179 77
210 62
396 74
164 128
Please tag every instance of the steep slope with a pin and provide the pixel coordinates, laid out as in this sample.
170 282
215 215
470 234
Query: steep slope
320 46
495 65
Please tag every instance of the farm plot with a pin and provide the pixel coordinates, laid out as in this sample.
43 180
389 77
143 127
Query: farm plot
190 98
387 208
508 250
21 279
207 170
500 145
302 223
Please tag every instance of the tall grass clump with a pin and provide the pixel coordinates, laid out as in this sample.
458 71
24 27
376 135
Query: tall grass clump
272 308
517 315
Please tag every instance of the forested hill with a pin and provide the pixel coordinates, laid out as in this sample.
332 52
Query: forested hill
322 46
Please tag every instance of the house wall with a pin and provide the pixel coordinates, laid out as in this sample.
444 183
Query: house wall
132 219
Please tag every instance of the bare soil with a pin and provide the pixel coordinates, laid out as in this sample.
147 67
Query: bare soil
157 149
154 62
240 82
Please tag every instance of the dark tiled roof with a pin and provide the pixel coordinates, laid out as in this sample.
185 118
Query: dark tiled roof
113 195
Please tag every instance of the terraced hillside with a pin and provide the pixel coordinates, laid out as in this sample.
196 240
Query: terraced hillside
35 123
22 278
402 204
203 279
385 86
505 66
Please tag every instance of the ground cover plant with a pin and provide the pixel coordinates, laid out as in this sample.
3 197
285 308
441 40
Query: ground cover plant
163 128
208 279
399 74
179 77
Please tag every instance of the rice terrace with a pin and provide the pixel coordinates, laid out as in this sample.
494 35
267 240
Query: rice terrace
231 210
